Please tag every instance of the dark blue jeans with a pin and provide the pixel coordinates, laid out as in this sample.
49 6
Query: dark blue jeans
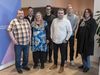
86 61
18 53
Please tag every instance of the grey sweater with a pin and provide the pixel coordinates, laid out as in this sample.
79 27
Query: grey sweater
73 20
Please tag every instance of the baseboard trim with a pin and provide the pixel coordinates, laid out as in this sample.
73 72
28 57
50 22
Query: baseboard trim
6 65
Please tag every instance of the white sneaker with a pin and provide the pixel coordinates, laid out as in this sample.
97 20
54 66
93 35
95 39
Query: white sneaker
72 63
65 61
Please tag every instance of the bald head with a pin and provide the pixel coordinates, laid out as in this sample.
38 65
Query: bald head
69 5
70 9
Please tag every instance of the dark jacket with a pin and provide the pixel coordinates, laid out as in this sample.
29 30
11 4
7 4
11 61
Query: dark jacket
85 37
30 21
49 20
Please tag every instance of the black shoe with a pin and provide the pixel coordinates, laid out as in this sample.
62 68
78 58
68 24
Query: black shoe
45 60
85 69
50 61
26 68
42 66
81 67
19 71
35 66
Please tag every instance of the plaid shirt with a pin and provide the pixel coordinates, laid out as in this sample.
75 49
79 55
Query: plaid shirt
20 30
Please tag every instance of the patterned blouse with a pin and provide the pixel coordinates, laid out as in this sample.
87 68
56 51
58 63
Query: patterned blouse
39 37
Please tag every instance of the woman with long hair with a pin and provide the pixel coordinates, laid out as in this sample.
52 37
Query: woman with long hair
39 46
85 38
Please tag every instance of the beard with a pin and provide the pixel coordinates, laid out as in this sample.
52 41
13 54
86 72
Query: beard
21 17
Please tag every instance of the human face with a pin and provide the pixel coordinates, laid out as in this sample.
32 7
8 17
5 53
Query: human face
48 10
70 10
87 14
30 11
20 14
60 14
38 16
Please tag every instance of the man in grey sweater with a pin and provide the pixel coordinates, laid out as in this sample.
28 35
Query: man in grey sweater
74 22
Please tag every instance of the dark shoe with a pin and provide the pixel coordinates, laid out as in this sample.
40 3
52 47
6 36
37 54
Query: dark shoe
26 68
50 61
85 69
35 66
80 67
42 66
61 70
45 61
19 71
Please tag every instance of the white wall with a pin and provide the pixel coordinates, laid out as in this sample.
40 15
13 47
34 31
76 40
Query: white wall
96 48
43 3
59 3
35 3
96 5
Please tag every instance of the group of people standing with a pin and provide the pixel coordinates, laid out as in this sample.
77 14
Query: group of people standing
47 34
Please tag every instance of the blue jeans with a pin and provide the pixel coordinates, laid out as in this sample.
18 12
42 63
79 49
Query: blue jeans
86 61
18 53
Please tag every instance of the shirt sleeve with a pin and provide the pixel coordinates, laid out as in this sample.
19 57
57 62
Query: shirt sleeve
69 31
92 29
11 26
51 29
46 29
76 23
45 23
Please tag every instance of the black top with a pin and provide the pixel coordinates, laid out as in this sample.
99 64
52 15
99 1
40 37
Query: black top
30 21
85 37
49 20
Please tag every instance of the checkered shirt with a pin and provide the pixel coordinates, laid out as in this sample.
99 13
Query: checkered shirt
20 30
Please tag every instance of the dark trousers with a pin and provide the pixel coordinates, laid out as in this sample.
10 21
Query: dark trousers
39 55
18 53
71 45
62 51
49 52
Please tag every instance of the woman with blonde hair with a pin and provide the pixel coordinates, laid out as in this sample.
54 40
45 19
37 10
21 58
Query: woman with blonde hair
39 46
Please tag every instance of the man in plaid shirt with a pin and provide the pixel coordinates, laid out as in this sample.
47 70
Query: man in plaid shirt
20 33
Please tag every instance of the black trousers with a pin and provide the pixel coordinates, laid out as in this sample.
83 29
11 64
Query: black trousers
38 55
49 52
71 45
62 52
